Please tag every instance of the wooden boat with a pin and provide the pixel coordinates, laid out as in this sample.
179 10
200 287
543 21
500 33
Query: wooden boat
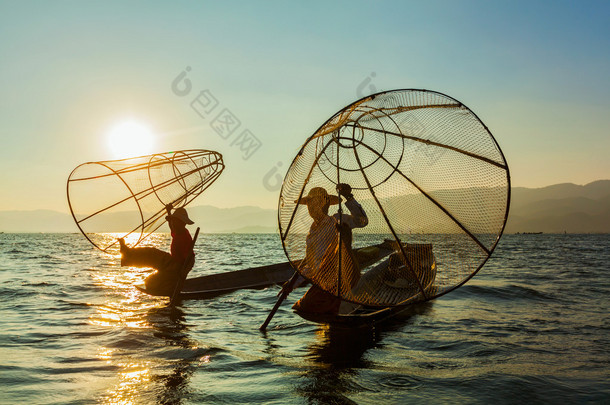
213 285
222 283
394 283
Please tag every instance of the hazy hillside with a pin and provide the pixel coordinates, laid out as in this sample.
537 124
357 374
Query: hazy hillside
561 208
36 221
238 219
554 209
210 219
595 190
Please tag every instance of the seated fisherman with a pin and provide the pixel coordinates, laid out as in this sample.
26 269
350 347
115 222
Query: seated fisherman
322 254
170 267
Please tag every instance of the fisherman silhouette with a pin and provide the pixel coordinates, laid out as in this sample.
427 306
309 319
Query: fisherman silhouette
322 255
170 266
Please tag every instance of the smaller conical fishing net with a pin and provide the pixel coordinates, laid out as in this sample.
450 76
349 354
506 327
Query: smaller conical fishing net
432 181
128 196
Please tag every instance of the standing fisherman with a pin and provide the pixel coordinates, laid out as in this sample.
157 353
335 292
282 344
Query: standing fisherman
171 267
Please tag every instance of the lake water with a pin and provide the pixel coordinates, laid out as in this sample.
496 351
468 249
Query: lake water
531 327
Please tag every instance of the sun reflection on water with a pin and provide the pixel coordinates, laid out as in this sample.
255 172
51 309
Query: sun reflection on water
104 353
125 305
133 378
128 311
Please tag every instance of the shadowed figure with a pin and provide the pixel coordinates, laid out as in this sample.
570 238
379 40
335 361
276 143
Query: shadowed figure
332 268
171 267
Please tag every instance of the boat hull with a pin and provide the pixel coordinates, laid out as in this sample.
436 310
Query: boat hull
214 285
400 288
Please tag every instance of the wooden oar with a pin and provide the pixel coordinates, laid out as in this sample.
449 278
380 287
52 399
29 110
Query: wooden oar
285 291
183 272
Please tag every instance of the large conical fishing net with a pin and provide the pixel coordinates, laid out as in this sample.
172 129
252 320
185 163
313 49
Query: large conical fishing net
129 196
433 183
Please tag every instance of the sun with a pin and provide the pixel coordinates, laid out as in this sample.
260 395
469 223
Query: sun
130 139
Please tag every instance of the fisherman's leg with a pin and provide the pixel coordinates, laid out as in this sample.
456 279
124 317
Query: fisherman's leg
160 283
164 280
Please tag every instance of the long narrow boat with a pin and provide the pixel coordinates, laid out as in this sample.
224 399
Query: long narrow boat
399 286
213 285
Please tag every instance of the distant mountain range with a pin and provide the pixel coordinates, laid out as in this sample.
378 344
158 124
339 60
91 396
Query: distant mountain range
561 208
553 209
211 219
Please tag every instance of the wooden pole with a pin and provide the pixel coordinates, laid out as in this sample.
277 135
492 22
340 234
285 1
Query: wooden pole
339 266
183 273
283 295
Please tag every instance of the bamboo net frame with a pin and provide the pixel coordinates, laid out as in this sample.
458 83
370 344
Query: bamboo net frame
129 196
431 178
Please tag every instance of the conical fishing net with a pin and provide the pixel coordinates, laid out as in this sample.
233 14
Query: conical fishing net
432 181
129 196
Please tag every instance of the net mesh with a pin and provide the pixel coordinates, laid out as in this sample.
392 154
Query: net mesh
129 196
432 181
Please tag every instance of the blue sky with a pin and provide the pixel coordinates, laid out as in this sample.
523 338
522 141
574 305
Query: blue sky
536 73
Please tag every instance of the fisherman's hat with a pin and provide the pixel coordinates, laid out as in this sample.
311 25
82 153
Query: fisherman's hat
181 215
320 196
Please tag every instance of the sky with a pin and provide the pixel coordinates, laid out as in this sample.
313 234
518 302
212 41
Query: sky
536 73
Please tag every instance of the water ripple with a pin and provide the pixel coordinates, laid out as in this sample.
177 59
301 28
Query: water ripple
531 326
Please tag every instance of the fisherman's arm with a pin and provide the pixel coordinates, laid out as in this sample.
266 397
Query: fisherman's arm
168 218
358 218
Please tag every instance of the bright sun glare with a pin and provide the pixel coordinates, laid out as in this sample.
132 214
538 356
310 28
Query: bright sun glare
130 139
